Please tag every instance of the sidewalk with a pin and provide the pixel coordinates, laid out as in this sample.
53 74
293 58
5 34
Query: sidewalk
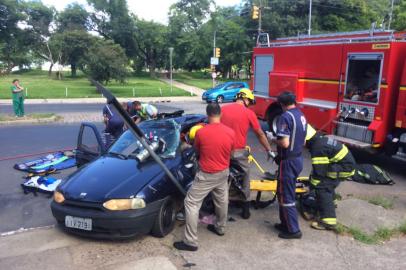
103 100
188 88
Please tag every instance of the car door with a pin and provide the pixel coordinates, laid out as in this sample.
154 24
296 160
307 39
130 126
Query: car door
89 145
229 91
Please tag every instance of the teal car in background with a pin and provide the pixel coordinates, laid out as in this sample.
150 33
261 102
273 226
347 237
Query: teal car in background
223 92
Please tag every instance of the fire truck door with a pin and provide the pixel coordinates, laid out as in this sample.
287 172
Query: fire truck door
263 65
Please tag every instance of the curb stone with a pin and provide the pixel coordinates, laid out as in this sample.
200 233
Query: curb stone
54 118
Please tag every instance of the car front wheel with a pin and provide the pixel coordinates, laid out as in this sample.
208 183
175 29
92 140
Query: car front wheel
165 220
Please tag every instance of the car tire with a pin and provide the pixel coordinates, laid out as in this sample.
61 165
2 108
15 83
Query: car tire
220 99
165 221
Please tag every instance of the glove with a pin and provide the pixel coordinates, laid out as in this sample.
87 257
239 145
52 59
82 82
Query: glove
270 136
271 155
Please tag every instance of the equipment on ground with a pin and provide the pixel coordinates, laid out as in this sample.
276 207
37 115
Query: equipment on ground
371 174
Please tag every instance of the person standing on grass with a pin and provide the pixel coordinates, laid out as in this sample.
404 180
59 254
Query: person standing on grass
18 98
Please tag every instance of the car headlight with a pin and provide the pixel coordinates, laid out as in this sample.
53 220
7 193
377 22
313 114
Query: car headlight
124 204
58 197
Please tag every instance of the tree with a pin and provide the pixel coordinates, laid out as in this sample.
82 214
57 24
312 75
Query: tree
399 18
73 18
39 19
105 61
151 44
74 46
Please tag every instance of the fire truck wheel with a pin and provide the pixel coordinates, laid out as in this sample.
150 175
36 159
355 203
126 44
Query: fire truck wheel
272 118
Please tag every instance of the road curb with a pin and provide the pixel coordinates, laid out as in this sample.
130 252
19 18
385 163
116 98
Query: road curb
103 100
54 118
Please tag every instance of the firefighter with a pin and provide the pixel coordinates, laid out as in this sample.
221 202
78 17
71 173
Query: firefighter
331 162
239 118
290 140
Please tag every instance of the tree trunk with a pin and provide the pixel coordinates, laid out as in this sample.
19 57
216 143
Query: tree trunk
50 69
73 69
152 66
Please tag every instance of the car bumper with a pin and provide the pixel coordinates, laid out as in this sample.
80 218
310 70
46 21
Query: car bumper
108 224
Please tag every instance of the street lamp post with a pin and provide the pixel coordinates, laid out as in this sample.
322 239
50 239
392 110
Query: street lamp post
170 64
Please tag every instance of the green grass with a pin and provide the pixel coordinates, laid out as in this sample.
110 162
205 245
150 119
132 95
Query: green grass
199 79
41 86
386 203
382 234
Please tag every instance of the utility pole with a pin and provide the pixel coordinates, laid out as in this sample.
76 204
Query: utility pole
310 18
260 18
214 54
170 66
390 14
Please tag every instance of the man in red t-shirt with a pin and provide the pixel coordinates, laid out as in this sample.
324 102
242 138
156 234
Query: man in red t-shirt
214 144
239 118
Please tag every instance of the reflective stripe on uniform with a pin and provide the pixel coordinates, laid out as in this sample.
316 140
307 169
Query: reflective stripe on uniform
292 142
314 182
288 204
336 175
340 155
329 221
320 160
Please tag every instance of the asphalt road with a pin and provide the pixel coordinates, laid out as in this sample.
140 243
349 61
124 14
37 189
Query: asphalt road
21 210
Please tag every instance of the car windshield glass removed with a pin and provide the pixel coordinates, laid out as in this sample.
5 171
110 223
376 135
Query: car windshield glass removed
166 132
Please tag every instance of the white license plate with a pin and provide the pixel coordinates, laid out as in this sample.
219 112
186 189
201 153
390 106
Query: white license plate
78 223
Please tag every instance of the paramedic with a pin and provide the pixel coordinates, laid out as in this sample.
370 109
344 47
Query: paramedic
290 139
214 144
332 162
239 118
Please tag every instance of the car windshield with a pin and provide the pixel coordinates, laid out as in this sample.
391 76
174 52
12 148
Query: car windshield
219 86
166 132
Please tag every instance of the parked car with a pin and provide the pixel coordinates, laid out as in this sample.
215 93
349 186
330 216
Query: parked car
223 92
118 192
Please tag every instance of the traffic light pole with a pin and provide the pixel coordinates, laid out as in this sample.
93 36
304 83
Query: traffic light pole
214 54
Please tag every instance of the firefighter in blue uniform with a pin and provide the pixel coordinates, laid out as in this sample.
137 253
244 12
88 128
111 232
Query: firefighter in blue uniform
290 140
332 162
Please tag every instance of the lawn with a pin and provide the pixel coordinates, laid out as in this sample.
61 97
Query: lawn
198 79
39 85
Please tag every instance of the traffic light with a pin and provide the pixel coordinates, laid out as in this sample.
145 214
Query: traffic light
217 54
255 12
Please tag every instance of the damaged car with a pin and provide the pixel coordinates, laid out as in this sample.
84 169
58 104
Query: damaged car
136 186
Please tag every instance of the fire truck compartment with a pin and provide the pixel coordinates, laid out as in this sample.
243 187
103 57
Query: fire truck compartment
350 142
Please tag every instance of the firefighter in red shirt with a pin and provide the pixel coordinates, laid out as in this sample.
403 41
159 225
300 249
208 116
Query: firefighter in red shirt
214 144
239 118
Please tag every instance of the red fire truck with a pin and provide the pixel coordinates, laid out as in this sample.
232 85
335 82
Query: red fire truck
350 85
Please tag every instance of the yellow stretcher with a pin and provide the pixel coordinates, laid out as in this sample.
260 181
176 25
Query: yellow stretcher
269 184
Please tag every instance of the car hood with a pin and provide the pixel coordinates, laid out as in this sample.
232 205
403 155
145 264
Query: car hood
108 178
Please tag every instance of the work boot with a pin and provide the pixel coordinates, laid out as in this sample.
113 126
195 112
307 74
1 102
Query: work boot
318 225
280 227
213 229
289 235
183 246
245 214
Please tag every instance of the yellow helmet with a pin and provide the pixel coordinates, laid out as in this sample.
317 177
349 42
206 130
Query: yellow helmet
310 132
246 93
193 131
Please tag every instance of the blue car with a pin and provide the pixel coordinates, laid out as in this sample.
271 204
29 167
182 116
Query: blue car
223 92
122 191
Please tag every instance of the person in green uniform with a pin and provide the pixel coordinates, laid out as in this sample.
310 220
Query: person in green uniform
18 98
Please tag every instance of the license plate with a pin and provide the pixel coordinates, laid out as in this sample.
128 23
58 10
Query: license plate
78 223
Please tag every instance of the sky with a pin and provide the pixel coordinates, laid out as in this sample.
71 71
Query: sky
156 10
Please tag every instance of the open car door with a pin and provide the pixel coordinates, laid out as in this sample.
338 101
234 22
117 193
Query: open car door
90 144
